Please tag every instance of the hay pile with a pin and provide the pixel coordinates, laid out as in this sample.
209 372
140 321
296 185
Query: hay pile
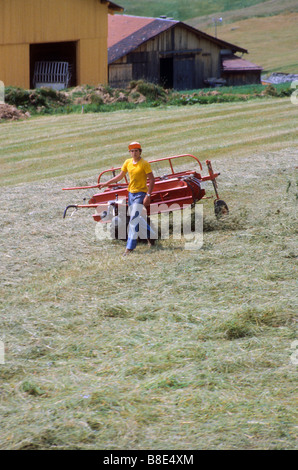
104 95
11 113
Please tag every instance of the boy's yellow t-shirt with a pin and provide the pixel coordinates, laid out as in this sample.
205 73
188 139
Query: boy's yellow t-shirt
137 174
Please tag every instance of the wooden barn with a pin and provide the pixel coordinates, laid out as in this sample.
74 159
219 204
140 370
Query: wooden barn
65 37
167 52
237 71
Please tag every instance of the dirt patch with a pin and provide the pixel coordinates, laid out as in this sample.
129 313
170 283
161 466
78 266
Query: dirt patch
209 93
104 95
11 113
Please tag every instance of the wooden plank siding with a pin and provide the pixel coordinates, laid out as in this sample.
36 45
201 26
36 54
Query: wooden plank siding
15 64
24 23
194 60
38 21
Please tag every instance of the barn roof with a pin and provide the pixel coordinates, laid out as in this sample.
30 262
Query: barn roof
233 63
123 26
126 33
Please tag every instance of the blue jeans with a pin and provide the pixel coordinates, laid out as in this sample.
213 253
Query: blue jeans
137 224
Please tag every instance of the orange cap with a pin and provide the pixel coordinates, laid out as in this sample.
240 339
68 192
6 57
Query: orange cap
134 145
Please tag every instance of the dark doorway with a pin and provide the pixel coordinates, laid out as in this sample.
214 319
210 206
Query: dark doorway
54 51
184 76
166 72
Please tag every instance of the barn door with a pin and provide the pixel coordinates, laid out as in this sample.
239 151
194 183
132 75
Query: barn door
184 73
166 72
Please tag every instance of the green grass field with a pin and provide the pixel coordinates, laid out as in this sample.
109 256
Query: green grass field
167 348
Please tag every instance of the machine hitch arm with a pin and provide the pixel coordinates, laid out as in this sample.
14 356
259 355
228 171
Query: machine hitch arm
212 177
68 207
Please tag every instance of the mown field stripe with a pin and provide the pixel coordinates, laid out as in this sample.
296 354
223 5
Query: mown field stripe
90 146
79 143
60 134
84 164
102 122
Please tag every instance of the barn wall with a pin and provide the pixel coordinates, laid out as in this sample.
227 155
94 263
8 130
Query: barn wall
120 74
37 21
15 64
44 21
92 62
242 78
194 59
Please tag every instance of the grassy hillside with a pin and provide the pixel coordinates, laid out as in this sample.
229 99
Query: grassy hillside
167 348
269 40
182 9
258 10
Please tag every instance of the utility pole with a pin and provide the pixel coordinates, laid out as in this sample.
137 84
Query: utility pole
215 21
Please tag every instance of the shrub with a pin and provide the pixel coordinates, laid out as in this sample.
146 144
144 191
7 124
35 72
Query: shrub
96 99
270 90
151 91
17 96
45 98
285 91
50 97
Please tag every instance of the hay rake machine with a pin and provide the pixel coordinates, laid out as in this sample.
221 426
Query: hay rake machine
174 189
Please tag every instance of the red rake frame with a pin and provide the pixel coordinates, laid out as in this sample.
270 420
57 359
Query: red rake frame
173 190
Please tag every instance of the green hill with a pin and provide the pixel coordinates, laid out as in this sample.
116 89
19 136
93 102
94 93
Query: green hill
184 9
267 30
257 10
269 41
